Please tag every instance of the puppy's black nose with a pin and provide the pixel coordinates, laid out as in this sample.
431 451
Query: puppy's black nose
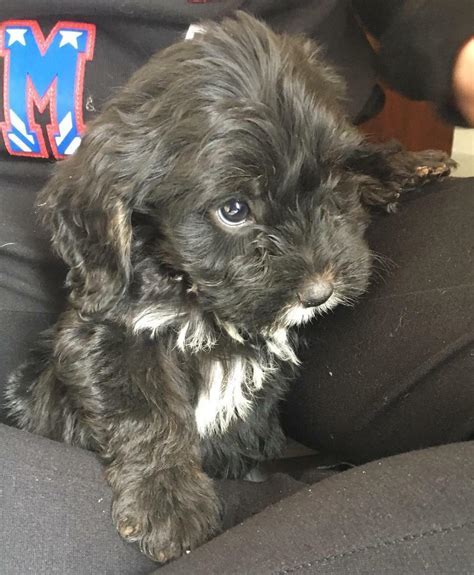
315 294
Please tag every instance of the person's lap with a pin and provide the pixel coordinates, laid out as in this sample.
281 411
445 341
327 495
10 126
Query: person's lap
411 513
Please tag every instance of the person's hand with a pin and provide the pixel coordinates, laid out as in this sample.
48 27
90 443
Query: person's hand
463 81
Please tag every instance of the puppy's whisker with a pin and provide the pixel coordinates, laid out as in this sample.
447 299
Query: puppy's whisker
382 261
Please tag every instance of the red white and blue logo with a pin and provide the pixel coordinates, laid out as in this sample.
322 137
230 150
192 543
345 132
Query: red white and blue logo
44 72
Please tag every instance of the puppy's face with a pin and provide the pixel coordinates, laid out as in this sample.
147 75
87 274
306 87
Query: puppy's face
267 241
222 162
261 214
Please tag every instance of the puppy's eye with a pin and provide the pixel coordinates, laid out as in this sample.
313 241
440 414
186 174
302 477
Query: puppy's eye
234 213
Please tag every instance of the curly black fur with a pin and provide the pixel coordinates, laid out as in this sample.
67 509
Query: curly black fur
177 344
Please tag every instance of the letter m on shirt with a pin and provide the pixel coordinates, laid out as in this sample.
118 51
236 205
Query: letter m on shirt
41 73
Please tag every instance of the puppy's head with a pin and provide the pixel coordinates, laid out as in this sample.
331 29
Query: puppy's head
222 162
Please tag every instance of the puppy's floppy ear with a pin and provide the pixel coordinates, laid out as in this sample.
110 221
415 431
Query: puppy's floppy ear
87 211
124 156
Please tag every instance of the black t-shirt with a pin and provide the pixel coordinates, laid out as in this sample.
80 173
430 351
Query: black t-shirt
62 59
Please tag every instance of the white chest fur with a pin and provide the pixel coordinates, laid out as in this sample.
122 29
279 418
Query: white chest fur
230 392
230 387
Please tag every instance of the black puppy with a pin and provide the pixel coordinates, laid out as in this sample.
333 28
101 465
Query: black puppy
218 201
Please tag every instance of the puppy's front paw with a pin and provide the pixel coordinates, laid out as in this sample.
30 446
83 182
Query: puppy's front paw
427 166
172 512
433 164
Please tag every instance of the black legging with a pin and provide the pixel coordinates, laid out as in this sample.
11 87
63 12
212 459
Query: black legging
411 513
